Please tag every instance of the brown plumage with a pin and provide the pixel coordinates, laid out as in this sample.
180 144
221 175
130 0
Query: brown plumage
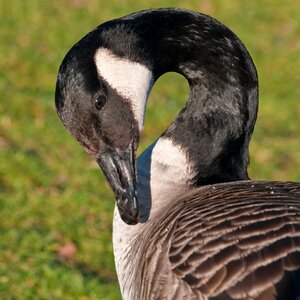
229 241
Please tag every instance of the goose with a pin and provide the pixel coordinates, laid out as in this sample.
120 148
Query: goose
188 222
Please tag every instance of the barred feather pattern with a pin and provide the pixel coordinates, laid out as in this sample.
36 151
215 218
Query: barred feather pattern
228 241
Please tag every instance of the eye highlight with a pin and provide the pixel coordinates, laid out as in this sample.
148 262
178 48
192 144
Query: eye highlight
100 101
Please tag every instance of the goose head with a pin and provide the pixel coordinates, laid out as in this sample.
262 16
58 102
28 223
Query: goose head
100 99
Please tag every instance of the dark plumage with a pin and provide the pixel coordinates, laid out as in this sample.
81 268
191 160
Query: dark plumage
205 231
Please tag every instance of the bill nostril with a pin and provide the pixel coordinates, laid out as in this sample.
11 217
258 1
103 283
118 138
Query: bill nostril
119 174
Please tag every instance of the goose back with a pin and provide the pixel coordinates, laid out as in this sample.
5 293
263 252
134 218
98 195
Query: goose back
228 241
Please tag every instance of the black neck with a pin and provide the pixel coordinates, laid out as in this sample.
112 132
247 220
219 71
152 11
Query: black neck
216 124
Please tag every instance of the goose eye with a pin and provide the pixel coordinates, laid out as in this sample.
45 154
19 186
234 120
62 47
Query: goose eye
100 102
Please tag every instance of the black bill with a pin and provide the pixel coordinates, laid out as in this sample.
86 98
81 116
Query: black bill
120 171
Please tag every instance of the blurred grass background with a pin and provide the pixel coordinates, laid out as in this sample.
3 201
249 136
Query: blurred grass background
55 208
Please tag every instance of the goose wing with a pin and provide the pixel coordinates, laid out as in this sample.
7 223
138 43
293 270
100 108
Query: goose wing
229 241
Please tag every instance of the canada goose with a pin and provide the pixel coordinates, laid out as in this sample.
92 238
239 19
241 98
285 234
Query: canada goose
202 229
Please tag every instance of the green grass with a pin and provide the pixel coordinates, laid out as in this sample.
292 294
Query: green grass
52 194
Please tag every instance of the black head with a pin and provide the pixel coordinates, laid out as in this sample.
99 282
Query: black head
103 115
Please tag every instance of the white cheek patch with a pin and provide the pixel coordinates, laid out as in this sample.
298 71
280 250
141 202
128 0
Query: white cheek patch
131 80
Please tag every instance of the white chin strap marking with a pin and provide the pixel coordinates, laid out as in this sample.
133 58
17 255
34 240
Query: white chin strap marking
131 80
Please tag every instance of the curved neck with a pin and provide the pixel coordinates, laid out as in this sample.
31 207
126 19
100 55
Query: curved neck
217 122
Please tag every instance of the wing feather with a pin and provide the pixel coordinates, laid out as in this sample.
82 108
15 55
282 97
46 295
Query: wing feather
228 241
